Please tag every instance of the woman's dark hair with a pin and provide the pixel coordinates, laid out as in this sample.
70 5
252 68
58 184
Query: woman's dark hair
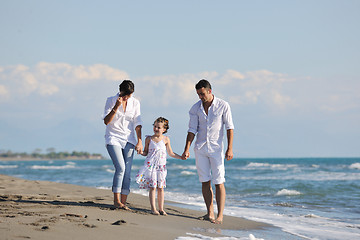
163 120
203 84
126 87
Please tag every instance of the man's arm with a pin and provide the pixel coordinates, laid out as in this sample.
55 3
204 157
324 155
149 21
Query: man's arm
189 139
229 152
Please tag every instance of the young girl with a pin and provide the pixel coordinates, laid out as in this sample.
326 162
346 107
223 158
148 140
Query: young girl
152 175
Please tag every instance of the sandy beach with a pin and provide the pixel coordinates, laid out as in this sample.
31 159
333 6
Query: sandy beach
49 210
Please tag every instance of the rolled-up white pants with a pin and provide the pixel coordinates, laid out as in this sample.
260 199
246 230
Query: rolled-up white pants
210 166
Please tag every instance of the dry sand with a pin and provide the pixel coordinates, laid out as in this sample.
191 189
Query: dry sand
48 210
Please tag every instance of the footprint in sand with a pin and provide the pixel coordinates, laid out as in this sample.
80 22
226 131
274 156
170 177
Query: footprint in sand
119 222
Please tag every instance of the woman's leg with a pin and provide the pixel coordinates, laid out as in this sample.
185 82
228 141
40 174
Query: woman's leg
128 154
118 161
152 192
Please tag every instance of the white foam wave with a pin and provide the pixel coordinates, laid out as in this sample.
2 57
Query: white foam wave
193 236
52 167
8 166
187 173
286 192
183 167
319 176
308 226
255 165
355 166
110 170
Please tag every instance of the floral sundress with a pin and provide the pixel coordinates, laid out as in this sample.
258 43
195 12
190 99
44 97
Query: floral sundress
153 172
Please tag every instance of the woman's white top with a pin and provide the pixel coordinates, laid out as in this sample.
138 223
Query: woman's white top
122 128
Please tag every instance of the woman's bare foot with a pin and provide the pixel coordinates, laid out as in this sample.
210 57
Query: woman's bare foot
121 206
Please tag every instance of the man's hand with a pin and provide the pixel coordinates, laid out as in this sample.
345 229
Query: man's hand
229 154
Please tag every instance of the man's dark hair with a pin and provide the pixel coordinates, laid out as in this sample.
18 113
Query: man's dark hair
203 84
126 87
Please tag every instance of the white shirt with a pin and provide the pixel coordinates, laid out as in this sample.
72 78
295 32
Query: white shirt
210 127
122 128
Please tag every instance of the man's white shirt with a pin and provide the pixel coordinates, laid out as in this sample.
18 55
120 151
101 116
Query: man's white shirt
209 128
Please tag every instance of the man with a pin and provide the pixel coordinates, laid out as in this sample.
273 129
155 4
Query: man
208 118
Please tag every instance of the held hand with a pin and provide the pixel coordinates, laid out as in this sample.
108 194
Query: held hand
139 147
229 154
185 155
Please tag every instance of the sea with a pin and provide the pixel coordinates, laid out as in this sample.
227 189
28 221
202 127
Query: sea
301 198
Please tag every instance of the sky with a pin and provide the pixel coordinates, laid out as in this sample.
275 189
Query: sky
289 70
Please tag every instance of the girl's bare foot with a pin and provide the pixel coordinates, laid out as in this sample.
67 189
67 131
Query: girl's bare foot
155 212
163 213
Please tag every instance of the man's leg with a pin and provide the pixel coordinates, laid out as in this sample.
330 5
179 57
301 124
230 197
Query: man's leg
208 198
220 200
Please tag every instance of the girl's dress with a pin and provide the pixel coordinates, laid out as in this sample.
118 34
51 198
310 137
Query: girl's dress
153 173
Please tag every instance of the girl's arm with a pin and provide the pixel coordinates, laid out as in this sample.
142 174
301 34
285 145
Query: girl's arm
146 148
170 151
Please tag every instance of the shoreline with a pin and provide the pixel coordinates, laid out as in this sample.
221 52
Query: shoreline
43 209
13 159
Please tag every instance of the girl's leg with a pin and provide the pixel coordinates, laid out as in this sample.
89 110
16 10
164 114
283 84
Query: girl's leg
152 201
128 154
161 201
118 161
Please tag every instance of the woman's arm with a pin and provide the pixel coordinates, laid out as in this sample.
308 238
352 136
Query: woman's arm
111 114
169 150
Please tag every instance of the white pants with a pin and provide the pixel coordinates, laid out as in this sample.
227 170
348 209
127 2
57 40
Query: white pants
210 166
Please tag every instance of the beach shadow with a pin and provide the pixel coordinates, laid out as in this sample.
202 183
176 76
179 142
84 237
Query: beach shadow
102 206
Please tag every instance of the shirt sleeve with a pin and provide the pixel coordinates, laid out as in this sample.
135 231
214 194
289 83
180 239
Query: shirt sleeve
137 115
227 117
194 120
108 107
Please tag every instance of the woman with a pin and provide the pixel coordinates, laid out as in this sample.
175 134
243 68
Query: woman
123 136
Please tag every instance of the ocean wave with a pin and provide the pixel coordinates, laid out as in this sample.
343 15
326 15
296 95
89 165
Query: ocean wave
196 236
355 166
187 173
286 192
52 167
255 165
183 167
319 176
8 166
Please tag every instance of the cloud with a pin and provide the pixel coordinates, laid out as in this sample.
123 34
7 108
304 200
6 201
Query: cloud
261 87
238 88
4 93
46 79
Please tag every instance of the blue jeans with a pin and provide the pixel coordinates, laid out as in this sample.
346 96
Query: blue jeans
122 160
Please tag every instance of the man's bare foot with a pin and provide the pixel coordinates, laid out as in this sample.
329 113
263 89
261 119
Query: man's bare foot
206 218
217 221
